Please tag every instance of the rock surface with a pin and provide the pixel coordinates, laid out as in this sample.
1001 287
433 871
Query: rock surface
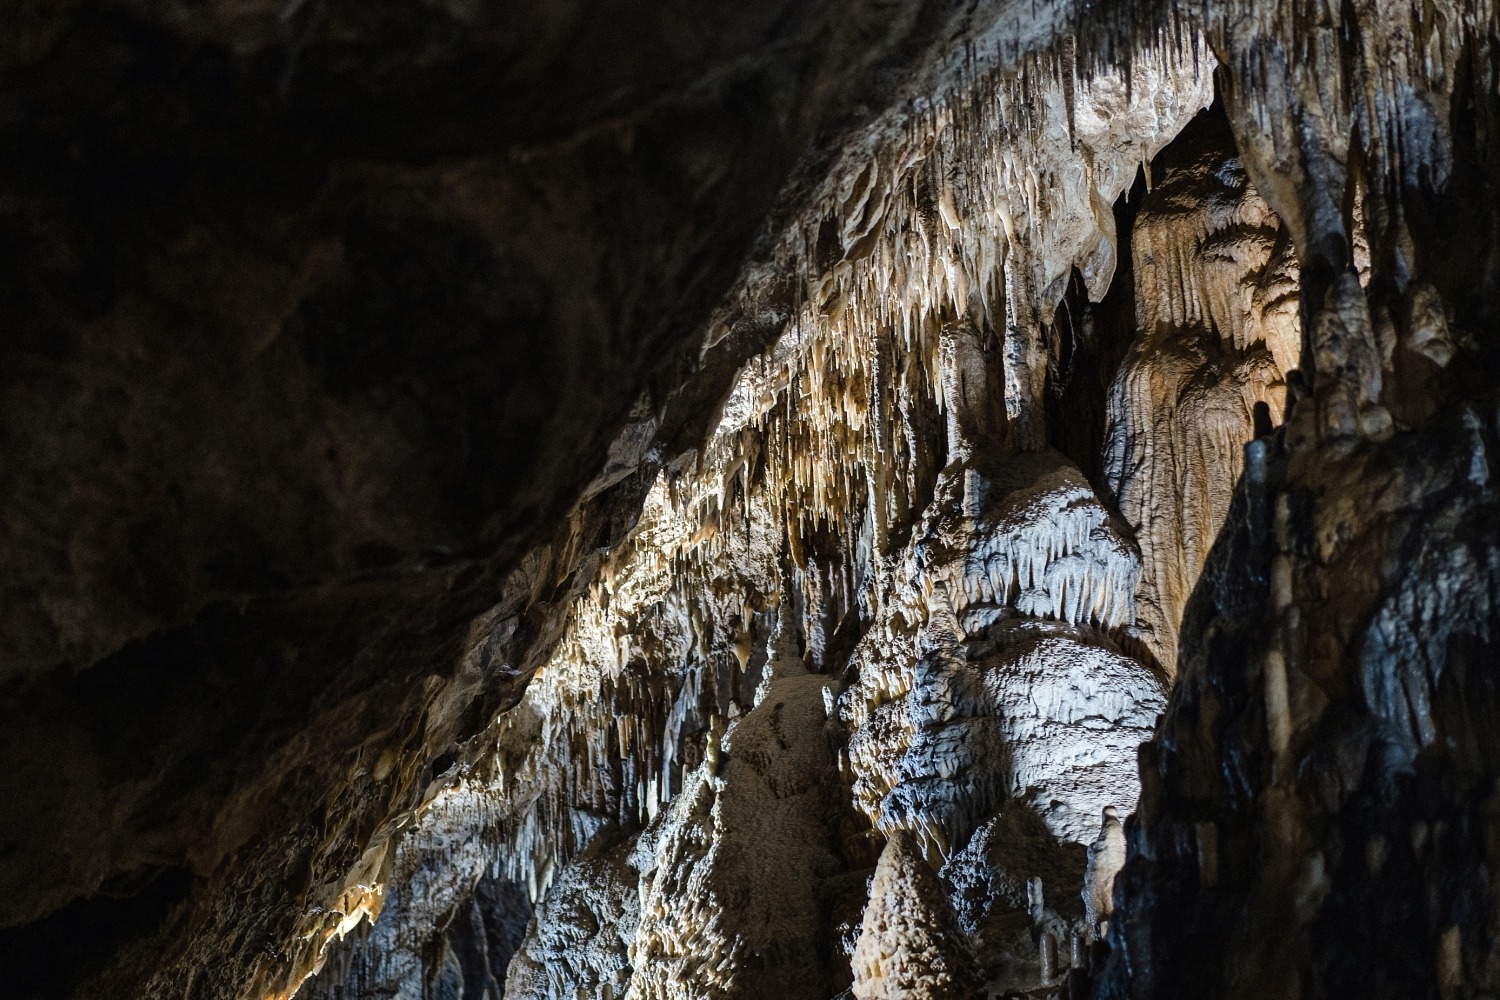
740 500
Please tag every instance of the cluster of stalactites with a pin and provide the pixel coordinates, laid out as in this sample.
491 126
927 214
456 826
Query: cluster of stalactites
612 758
1050 550
1211 258
979 211
976 211
1044 550
1326 98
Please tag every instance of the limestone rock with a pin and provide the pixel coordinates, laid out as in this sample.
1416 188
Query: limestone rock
743 499
909 945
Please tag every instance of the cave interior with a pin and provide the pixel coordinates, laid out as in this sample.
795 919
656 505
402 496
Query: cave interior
938 499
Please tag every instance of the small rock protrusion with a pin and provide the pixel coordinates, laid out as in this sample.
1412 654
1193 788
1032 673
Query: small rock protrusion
1106 856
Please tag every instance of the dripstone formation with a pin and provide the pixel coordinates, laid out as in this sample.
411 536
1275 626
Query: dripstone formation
798 500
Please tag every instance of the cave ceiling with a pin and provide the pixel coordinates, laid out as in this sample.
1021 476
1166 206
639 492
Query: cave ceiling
899 498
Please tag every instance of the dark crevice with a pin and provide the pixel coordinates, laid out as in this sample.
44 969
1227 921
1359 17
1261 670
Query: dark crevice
1088 342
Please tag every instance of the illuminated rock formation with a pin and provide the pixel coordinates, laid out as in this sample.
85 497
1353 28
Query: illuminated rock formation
909 945
1216 307
770 502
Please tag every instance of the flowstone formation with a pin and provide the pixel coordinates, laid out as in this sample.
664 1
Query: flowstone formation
1217 315
1064 562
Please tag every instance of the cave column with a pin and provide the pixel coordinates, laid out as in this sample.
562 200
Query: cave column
975 418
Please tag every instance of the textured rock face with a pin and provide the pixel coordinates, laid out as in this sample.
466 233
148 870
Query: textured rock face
1216 307
580 944
712 505
1288 800
325 318
1326 754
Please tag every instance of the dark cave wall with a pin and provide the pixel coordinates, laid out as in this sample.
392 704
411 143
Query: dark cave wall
1315 813
322 317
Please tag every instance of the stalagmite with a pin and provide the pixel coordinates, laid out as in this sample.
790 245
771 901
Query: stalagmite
908 945
1106 858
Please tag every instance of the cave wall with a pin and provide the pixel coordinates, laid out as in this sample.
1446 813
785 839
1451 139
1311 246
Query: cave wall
1315 800
325 319
724 526
867 511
